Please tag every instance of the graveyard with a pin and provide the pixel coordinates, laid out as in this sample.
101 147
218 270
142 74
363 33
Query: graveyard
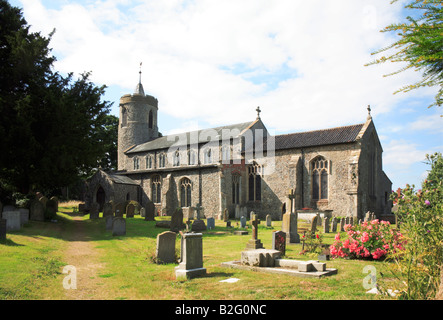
36 258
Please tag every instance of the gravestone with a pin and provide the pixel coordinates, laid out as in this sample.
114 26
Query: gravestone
177 220
342 224
130 210
118 226
55 199
314 225
237 212
81 208
334 224
252 217
108 209
243 222
150 211
191 258
51 208
326 225
93 213
279 241
165 251
12 220
225 215
2 229
210 222
198 225
24 216
36 211
142 212
120 209
268 220
289 226
43 201
367 216
351 221
254 243
319 220
108 221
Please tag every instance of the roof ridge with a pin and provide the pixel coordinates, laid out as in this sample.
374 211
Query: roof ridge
318 130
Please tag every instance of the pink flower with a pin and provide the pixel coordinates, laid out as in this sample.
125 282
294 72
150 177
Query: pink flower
427 203
337 236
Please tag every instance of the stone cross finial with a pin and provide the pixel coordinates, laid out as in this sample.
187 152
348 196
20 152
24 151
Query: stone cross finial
369 112
258 112
291 197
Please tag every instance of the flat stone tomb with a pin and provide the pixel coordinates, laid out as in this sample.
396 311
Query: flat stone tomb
268 260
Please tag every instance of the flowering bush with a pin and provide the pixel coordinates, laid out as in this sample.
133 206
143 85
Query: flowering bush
370 240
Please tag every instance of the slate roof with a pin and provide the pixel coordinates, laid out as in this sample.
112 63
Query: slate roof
204 136
318 138
120 179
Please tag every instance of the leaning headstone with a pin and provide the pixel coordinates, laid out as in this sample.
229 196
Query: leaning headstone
12 220
130 210
108 221
150 211
108 209
36 211
165 251
177 220
243 221
268 221
118 226
279 241
93 213
210 222
2 229
24 216
191 260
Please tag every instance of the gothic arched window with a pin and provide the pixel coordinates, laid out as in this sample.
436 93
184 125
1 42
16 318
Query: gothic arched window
236 180
162 160
319 175
136 163
185 192
254 181
149 162
156 188
176 159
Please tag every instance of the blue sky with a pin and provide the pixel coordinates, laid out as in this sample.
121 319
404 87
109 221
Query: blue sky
212 62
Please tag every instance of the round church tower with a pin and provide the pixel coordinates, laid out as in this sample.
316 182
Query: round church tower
137 121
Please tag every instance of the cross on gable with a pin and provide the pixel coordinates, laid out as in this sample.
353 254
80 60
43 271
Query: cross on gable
258 112
291 194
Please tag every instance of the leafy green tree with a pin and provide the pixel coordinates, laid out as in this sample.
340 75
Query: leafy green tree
435 176
420 45
51 126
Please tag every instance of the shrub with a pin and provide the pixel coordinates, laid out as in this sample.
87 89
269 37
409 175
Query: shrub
369 240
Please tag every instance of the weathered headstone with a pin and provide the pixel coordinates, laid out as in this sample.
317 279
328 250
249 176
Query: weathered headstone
237 211
150 211
51 208
326 225
243 222
43 200
24 216
36 211
334 224
289 226
210 222
314 225
198 225
93 212
120 209
225 215
342 224
254 243
165 251
130 210
177 220
191 259
2 229
55 199
118 226
12 220
268 220
108 221
108 209
351 221
319 220
81 208
367 216
279 241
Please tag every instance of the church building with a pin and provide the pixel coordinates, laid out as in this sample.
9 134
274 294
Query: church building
242 168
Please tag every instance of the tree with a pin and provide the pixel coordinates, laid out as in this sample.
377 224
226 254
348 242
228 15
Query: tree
420 46
435 175
51 125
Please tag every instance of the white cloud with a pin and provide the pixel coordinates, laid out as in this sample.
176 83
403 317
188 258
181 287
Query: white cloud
212 59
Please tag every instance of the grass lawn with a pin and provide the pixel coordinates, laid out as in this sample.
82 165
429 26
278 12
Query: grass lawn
120 268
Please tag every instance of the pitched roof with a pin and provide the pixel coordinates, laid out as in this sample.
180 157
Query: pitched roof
204 135
318 138
121 179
